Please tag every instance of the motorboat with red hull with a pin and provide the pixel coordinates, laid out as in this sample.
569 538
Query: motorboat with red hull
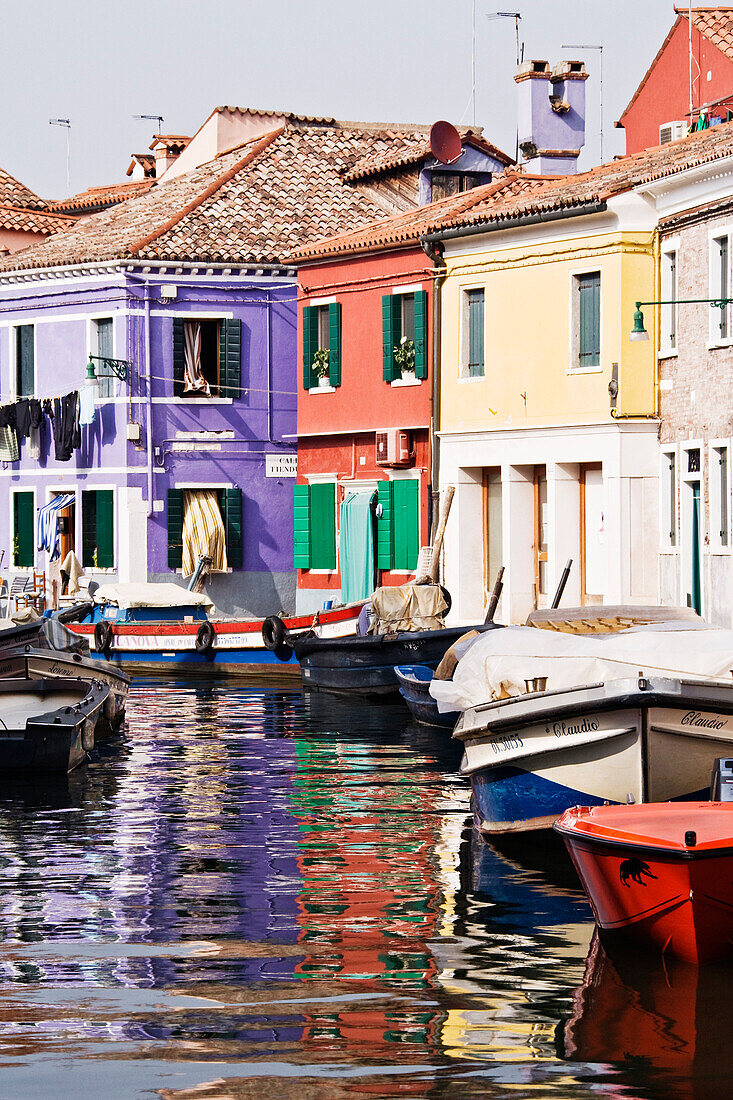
658 873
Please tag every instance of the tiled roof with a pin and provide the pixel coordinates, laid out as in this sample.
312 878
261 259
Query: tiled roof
255 204
389 159
715 23
517 195
32 221
97 198
145 160
170 140
16 193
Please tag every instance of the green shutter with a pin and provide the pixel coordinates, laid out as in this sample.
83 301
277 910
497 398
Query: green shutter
23 530
406 525
25 373
301 527
421 334
88 527
476 326
385 525
323 525
388 336
178 356
175 528
334 343
231 508
230 357
105 528
589 311
310 344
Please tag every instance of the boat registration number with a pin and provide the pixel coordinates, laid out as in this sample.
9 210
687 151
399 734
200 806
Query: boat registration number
505 744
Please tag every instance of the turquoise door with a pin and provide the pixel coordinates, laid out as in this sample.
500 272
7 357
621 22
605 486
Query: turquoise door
695 596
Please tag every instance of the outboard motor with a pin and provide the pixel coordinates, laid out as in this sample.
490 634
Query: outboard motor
721 784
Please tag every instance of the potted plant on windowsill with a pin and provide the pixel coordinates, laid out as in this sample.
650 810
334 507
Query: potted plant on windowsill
404 357
322 368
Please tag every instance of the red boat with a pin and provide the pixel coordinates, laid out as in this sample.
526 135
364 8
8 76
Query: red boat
659 873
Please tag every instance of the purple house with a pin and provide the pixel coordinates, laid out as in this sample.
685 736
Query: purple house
184 299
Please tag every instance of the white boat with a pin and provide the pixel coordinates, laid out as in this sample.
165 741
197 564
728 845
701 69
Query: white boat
632 717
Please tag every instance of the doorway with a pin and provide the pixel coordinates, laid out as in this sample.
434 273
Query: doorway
541 518
493 530
593 564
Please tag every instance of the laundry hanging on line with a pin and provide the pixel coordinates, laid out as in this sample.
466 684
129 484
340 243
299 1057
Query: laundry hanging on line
27 418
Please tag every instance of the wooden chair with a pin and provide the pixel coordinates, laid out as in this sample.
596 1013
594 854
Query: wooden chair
19 591
37 596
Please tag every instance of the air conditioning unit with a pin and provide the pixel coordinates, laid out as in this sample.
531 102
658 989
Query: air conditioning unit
672 131
393 448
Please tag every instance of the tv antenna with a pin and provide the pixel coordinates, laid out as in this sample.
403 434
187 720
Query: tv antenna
517 17
67 124
152 118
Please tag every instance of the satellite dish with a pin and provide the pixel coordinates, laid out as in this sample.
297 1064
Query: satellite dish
445 142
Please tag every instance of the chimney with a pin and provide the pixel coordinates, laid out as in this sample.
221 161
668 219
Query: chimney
551 116
167 149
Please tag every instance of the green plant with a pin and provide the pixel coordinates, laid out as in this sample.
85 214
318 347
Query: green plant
321 365
16 550
404 355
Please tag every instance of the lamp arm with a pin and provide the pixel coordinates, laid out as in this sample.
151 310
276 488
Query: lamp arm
119 367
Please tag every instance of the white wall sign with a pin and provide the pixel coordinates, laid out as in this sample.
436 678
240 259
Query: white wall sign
281 465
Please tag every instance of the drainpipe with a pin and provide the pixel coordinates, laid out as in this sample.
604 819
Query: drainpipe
148 400
434 251
269 367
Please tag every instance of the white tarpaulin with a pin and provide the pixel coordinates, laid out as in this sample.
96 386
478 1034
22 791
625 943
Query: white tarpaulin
498 662
142 594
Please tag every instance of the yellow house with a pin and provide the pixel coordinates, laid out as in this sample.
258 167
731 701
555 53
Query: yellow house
548 411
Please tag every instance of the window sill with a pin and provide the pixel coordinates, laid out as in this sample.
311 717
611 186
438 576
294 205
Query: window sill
584 370
471 378
719 551
713 344
398 382
322 389
197 400
670 353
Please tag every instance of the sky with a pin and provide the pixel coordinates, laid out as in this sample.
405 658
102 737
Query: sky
99 63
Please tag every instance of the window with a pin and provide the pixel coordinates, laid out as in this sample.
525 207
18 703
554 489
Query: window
474 322
315 526
104 345
207 357
25 365
322 345
97 529
587 320
669 499
229 505
669 295
720 328
444 184
23 531
405 335
398 527
719 497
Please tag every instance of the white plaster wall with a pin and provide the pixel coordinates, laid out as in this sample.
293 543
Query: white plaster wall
132 537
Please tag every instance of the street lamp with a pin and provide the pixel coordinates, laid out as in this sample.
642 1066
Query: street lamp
638 332
117 368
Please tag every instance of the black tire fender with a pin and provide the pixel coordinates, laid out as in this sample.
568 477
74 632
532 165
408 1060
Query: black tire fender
87 735
205 638
284 652
447 597
110 708
103 635
273 632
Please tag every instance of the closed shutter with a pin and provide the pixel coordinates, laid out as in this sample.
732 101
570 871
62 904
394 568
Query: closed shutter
323 525
178 356
589 311
231 511
476 324
406 525
23 517
97 529
334 343
391 330
175 528
301 527
385 525
310 344
421 334
230 358
25 376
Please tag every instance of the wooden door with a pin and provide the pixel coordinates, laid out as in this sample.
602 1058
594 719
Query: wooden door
541 521
593 565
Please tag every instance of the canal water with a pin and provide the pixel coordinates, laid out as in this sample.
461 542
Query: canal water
253 892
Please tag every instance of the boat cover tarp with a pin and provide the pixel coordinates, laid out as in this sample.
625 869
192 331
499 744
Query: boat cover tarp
356 549
142 594
408 607
499 661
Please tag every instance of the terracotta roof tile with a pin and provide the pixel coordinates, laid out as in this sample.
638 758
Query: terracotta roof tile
17 194
517 195
256 204
390 159
32 221
97 198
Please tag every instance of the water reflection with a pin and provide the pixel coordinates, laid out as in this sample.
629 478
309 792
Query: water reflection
253 890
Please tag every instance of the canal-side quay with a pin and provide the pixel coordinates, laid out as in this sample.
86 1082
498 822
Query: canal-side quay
253 889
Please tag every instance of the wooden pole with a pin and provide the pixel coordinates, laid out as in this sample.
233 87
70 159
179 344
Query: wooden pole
498 585
432 574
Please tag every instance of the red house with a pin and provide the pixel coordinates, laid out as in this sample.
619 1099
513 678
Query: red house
659 109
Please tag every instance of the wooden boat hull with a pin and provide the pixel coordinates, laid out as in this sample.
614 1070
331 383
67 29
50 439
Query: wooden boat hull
164 646
47 725
366 664
414 686
39 664
677 899
530 759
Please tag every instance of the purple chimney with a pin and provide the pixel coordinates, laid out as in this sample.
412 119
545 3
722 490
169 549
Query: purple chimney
551 116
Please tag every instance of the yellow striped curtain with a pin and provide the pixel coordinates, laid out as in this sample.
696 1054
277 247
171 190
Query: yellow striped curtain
203 530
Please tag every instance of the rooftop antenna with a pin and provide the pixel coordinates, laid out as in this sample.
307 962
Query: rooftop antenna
152 118
600 81
67 123
517 17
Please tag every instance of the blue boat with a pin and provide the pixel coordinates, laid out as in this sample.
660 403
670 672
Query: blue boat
414 684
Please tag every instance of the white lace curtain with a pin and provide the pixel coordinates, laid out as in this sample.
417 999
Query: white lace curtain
193 379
